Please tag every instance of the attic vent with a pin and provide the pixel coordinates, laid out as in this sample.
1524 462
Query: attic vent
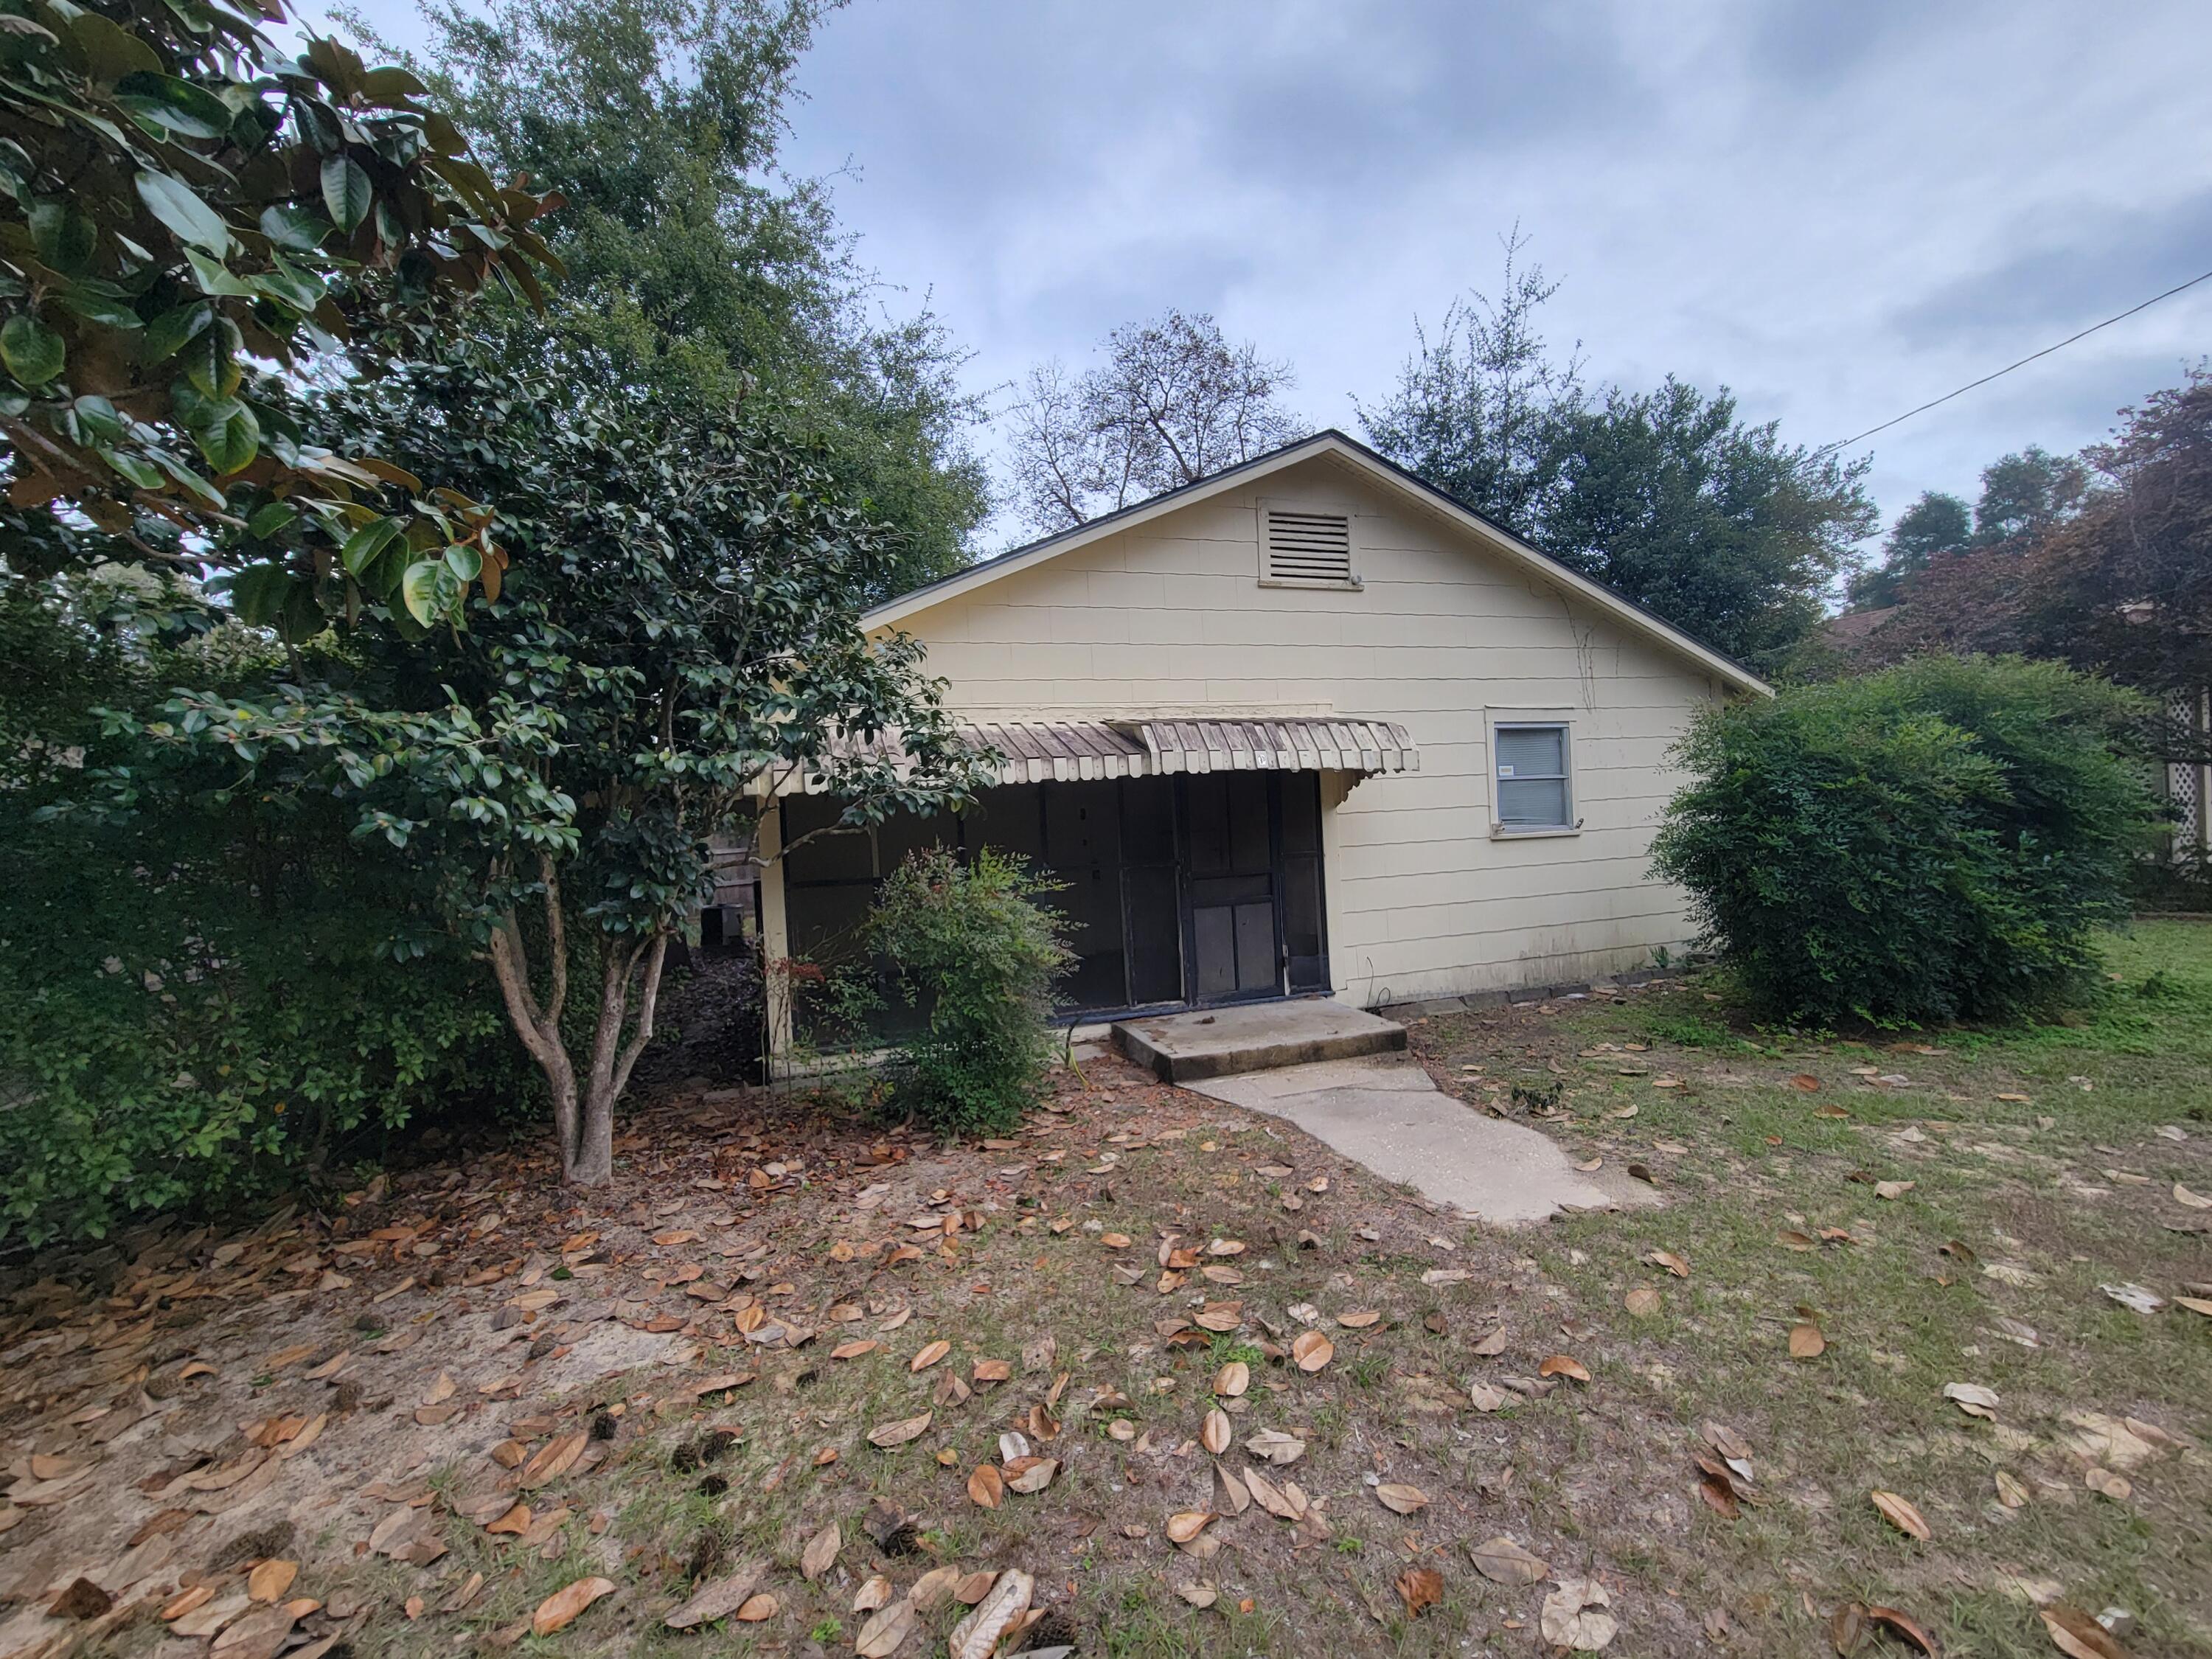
1299 544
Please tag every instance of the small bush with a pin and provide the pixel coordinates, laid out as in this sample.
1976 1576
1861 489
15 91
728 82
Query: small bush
1936 841
976 957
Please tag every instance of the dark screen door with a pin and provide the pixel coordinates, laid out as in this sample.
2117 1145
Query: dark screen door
1235 944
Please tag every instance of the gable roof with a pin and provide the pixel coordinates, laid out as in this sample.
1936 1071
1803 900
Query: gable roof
1351 452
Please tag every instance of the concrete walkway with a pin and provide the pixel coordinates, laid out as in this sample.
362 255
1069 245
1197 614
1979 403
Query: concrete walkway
1384 1111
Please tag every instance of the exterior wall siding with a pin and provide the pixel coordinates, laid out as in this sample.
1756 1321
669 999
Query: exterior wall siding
1170 617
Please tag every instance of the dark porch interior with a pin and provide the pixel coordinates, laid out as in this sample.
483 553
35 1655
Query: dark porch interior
1192 889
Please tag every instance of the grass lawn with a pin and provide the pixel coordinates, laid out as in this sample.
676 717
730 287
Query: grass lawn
675 1377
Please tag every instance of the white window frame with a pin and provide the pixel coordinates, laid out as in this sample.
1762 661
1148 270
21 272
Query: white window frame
1352 584
1510 719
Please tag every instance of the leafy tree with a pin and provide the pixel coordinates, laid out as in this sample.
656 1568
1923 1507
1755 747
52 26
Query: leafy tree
2117 583
681 637
1714 523
693 263
2026 494
1936 525
1476 413
1666 497
178 202
1173 402
197 1005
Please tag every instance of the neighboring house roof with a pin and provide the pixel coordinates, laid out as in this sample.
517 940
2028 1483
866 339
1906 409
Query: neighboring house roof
1852 626
1337 446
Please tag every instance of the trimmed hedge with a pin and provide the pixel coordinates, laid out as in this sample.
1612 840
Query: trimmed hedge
1936 841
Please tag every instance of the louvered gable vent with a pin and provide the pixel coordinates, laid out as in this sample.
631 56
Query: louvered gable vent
1302 544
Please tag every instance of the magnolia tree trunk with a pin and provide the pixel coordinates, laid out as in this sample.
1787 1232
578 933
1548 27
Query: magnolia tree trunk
583 1104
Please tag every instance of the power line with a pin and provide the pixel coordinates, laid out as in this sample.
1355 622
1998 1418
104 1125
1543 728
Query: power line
1999 373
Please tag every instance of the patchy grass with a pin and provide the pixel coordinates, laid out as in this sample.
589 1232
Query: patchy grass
783 1215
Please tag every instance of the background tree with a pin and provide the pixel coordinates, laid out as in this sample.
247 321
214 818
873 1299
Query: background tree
180 203
1173 402
682 637
1476 413
1714 523
694 264
2026 494
1936 525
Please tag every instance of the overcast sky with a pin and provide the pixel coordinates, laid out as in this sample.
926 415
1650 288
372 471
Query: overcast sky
1838 210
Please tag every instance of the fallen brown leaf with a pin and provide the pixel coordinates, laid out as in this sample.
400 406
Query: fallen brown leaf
2078 1636
1900 1514
929 1356
1504 1562
559 1610
821 1553
897 1433
1312 1351
987 1487
1215 1432
1419 1588
1400 1499
1565 1364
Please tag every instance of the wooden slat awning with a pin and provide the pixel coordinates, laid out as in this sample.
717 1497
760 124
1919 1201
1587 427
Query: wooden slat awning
1067 752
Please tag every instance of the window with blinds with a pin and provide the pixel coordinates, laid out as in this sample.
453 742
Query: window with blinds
1305 546
1530 761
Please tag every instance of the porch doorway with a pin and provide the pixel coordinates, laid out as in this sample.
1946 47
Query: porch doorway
1192 890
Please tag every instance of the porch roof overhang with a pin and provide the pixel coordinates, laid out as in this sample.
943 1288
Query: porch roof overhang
1077 750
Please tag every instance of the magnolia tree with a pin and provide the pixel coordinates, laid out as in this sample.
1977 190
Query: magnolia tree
681 636
182 207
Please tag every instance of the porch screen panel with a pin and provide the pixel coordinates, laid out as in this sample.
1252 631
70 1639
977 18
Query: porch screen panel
1305 937
1151 912
1083 852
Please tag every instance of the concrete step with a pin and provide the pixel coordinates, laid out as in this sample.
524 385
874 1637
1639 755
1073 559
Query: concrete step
1255 1037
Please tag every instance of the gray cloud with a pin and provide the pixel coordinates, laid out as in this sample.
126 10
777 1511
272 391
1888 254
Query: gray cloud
1839 208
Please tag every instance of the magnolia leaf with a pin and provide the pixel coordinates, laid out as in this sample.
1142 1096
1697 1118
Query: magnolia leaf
1504 1562
1900 1514
1971 1398
34 354
898 1433
2078 1636
179 207
1574 1617
1400 1499
987 1487
929 1356
977 1635
1187 1524
883 1634
1214 1434
559 1610
1312 1351
821 1553
1806 1341
347 192
1232 1379
420 589
1563 1365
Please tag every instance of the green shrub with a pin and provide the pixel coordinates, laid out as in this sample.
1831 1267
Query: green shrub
1936 841
976 957
200 1007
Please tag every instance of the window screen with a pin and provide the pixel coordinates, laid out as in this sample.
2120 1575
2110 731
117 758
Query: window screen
1532 777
